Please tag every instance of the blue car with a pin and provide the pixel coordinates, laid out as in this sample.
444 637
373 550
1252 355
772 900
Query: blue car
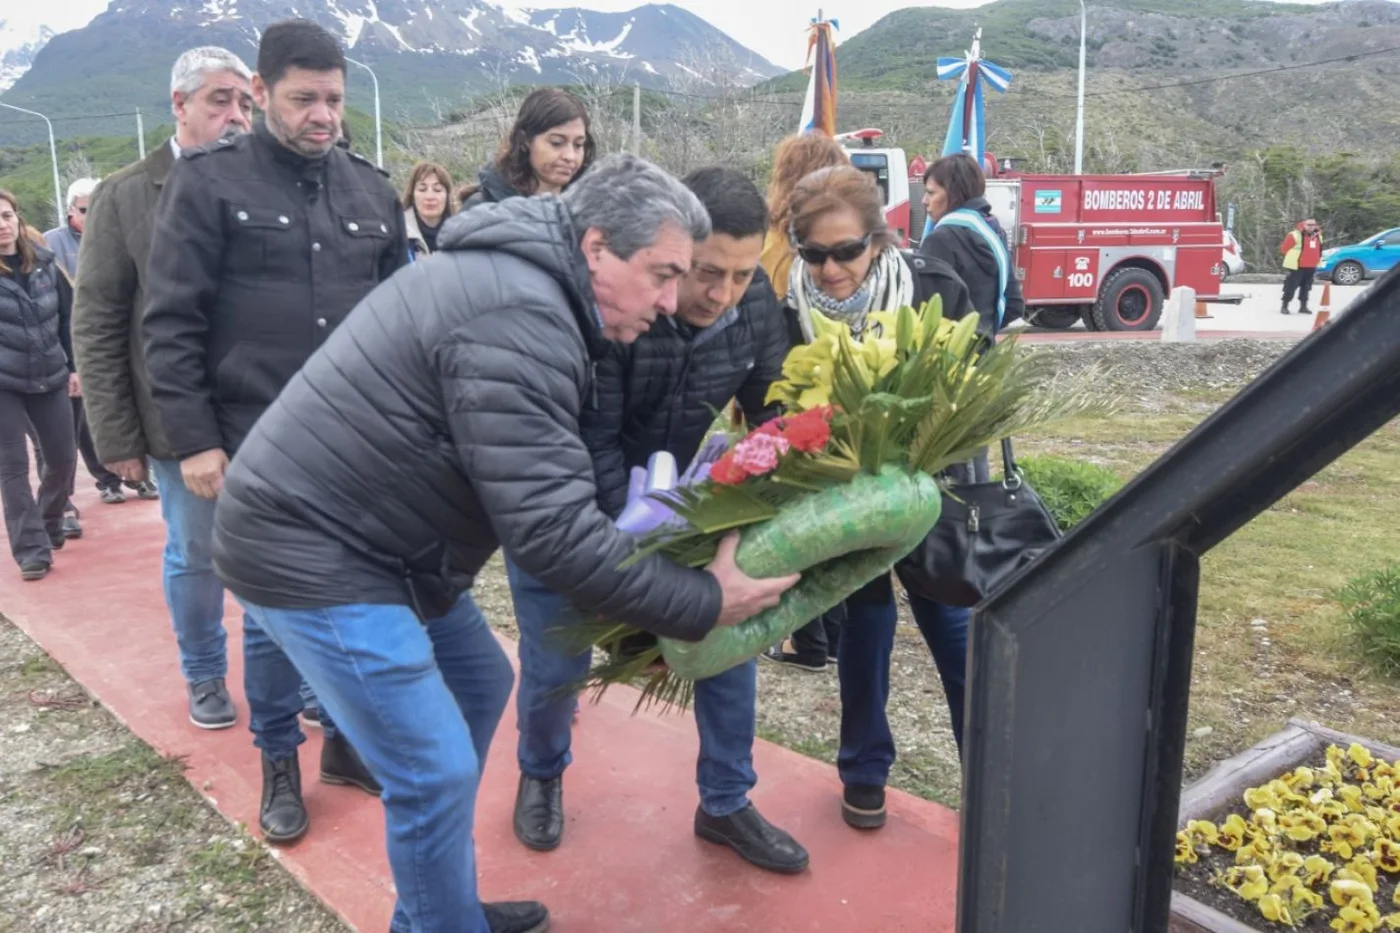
1373 256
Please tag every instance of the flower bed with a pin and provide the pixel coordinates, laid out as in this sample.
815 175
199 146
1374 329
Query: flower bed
1301 832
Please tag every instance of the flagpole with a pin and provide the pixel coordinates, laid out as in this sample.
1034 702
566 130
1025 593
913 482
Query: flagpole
1079 118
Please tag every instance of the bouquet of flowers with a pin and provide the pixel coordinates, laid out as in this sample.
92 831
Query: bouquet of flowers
842 486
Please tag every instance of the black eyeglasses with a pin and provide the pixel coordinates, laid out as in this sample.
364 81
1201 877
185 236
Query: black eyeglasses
842 252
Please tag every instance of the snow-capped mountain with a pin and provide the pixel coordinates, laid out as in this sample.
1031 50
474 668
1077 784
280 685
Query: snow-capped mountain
424 51
18 49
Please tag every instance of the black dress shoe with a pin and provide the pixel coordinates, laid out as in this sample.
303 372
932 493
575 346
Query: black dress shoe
516 917
282 815
539 813
756 840
341 764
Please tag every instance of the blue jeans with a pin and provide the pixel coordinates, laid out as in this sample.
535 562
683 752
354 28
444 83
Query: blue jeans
420 703
194 595
863 668
544 714
724 705
196 600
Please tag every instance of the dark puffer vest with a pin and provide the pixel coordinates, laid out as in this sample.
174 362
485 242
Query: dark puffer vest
33 329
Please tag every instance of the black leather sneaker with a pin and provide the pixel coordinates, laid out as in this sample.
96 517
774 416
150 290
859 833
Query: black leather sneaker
756 840
539 813
516 917
282 815
210 705
863 806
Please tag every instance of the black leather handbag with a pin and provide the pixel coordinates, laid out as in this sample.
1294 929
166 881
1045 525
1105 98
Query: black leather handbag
987 532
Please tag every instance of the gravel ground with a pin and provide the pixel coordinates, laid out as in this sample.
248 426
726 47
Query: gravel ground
99 834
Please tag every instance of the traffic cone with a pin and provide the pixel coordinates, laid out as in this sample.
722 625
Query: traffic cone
1201 311
1324 313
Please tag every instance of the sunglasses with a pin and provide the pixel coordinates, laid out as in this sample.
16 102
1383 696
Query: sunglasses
843 252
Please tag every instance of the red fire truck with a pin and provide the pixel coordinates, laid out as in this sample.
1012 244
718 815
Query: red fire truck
1104 249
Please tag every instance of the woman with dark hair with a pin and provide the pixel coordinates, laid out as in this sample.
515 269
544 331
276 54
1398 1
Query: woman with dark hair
37 382
967 237
846 267
427 203
549 146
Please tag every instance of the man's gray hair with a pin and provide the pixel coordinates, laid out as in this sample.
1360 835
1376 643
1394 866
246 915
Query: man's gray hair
195 65
630 200
82 188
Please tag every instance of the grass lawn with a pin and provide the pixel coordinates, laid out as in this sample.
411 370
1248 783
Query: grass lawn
1271 642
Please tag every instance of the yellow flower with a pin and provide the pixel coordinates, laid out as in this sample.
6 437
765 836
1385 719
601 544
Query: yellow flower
1386 856
1357 916
1261 798
1202 831
1266 819
1249 881
1392 826
1302 825
1351 795
1293 888
1259 850
1335 756
1346 890
1316 869
1185 851
1230 835
1360 869
815 397
1391 921
1274 909
878 356
1360 756
1285 864
1301 779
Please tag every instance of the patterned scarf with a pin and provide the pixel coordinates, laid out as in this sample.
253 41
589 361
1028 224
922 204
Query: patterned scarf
888 286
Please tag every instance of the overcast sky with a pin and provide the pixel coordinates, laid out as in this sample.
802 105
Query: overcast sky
773 28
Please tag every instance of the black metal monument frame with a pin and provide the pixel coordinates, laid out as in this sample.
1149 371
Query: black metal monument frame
1080 667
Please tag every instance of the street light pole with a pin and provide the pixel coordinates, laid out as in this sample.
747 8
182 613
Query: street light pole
378 126
53 154
1079 118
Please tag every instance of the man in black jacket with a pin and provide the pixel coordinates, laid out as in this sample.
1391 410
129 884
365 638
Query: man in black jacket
439 423
262 244
727 340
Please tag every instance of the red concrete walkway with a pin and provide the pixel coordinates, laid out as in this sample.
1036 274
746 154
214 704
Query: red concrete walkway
629 863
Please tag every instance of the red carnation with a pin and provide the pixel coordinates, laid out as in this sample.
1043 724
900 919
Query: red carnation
810 431
726 472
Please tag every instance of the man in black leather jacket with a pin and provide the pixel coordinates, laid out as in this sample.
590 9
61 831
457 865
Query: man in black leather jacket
727 340
261 246
438 423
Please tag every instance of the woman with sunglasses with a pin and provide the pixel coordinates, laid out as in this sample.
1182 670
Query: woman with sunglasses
846 267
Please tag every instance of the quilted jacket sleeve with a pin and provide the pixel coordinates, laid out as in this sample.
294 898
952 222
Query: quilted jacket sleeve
512 383
602 421
771 345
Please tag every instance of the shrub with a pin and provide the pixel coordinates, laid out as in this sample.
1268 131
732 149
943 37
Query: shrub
1372 605
1070 489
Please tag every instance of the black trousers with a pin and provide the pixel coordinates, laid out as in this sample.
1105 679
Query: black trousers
817 640
32 524
1299 281
104 477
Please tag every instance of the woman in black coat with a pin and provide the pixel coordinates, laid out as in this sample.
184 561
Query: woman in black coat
967 237
550 145
37 383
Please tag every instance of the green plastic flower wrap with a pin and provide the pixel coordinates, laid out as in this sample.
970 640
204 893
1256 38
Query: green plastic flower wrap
839 539
841 486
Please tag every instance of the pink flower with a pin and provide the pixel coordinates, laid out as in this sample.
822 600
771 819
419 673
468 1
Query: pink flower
759 453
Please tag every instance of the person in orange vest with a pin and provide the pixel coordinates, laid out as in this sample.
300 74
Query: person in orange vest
1302 252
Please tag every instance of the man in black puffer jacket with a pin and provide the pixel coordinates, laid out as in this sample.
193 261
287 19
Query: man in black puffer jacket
438 423
727 340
